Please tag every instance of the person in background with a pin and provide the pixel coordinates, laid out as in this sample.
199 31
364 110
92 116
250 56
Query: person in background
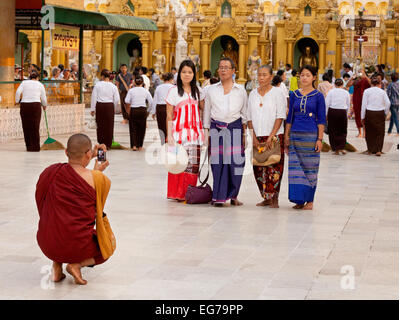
66 200
294 81
74 71
143 73
375 108
124 82
155 80
135 103
330 73
348 70
337 104
45 75
326 85
33 99
104 99
360 83
393 95
288 75
158 107
266 113
207 77
174 72
303 138
61 75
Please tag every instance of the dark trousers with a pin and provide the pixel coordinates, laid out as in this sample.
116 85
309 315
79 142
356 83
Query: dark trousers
122 95
137 126
30 115
394 119
161 120
105 114
374 123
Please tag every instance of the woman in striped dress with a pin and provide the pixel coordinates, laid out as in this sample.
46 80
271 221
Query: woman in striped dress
184 127
303 136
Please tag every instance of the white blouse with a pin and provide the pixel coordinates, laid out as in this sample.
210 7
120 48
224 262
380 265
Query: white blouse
338 98
375 99
263 117
216 107
32 91
104 91
160 95
137 96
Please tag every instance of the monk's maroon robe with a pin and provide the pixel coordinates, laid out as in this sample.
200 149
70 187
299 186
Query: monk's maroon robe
67 210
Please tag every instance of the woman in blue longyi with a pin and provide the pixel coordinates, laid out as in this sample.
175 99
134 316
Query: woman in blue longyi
303 139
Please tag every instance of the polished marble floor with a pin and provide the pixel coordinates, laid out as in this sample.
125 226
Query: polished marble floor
347 248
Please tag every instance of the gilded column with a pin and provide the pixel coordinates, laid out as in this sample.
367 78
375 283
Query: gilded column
145 41
108 40
158 37
397 53
7 52
167 55
338 61
241 62
205 54
383 55
35 39
290 51
322 55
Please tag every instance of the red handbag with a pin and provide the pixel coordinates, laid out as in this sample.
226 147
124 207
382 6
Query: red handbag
200 194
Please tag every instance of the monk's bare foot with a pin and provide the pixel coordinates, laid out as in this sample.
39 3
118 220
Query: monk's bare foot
264 203
366 152
141 148
274 203
308 206
74 270
343 152
235 202
134 148
336 153
298 206
58 275
378 154
359 135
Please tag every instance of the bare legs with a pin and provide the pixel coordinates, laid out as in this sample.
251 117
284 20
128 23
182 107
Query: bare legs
58 275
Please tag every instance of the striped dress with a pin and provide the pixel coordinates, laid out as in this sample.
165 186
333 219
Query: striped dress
305 114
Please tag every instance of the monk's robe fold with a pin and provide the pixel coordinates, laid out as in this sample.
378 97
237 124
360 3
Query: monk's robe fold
67 210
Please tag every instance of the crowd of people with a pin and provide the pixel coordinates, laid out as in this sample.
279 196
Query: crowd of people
285 112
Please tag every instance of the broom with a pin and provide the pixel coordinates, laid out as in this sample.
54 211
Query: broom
117 146
51 144
349 147
326 147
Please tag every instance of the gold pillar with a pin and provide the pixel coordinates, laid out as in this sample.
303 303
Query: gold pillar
108 40
205 54
396 66
391 45
322 55
167 55
290 51
35 39
241 62
338 61
383 55
7 52
158 38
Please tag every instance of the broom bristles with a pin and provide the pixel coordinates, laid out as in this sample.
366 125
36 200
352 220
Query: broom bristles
56 145
326 147
350 148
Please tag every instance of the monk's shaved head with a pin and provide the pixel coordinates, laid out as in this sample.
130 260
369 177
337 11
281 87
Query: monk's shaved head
77 146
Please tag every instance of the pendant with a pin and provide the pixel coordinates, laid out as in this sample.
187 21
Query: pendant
310 114
261 105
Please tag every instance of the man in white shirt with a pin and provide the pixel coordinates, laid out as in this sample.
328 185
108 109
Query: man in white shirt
143 72
225 122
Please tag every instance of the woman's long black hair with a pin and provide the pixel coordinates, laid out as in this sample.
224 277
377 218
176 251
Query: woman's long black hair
193 84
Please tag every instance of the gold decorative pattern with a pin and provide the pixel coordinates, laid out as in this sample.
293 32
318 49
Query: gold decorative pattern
143 35
210 30
312 3
292 27
319 27
239 29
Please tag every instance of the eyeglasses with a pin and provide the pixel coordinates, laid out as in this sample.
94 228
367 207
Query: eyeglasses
225 68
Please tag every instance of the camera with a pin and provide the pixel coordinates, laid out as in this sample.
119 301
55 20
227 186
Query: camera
101 155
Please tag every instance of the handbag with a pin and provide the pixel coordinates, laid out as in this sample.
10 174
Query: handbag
264 157
200 194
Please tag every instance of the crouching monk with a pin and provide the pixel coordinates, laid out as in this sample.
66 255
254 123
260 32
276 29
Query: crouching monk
70 200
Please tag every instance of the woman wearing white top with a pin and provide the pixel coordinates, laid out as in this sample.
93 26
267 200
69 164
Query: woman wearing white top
375 108
136 108
104 98
33 98
266 112
159 104
338 102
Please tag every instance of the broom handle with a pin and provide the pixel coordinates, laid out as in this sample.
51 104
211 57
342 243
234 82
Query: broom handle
45 117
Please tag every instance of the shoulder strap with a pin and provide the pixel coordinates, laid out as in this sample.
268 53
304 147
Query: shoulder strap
203 183
123 81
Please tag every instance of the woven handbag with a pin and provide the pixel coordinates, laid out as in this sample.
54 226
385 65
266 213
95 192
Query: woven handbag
264 157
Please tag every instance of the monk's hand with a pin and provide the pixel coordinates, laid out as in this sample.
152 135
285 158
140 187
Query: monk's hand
92 113
101 166
96 147
153 116
318 146
44 108
269 142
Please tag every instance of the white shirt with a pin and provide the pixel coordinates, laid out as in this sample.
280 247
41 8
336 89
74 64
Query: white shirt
32 91
137 96
263 118
216 109
375 99
147 81
284 90
104 91
338 98
160 95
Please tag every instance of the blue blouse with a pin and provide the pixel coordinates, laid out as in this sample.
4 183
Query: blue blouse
306 112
